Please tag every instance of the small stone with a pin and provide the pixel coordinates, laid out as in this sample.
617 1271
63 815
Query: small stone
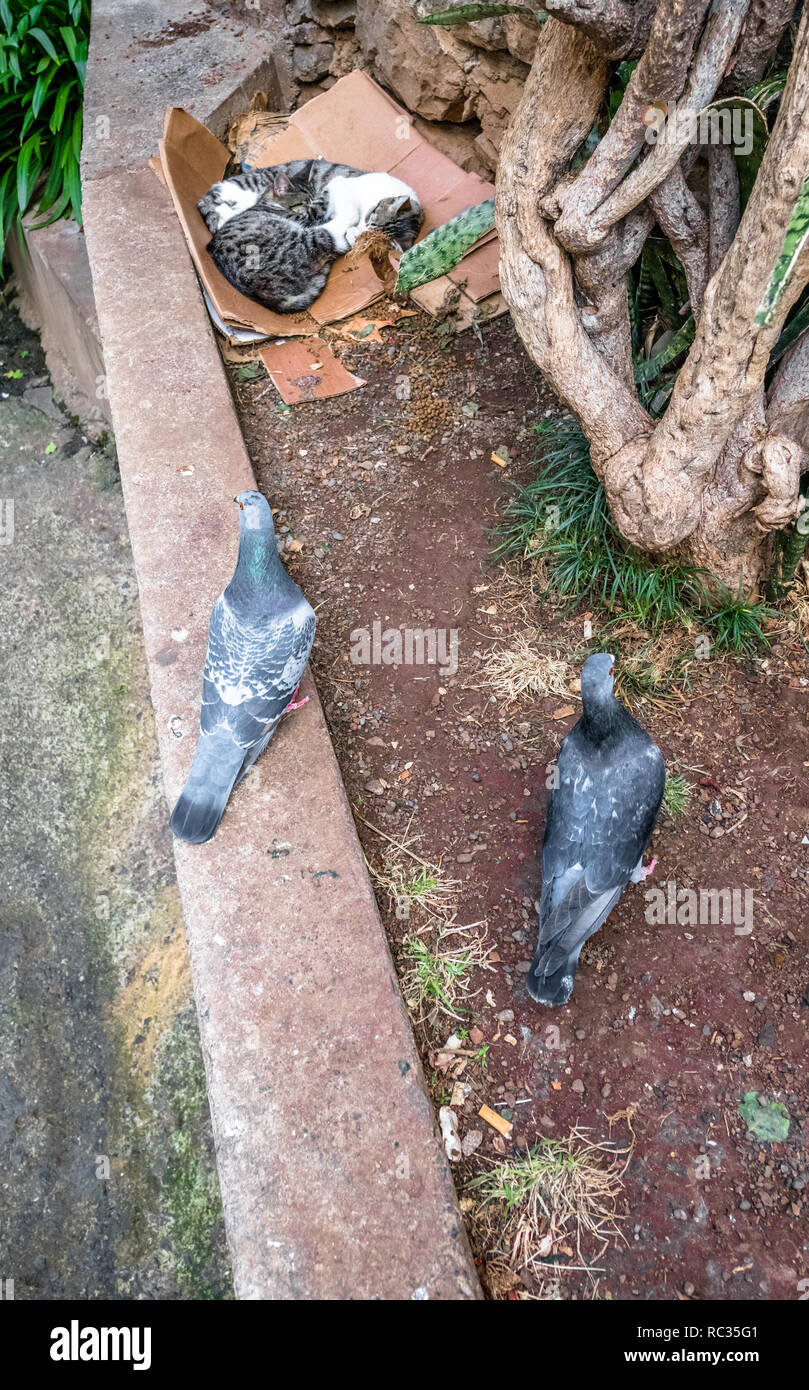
606 1090
578 1087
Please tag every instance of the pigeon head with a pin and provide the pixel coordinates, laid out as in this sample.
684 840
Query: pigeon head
597 679
254 512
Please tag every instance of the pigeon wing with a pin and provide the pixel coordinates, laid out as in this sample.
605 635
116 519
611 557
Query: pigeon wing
253 669
599 822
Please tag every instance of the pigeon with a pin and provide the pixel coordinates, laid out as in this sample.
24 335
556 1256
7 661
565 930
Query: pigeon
601 815
259 640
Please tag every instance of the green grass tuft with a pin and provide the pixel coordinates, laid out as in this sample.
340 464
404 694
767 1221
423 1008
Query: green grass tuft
677 796
562 518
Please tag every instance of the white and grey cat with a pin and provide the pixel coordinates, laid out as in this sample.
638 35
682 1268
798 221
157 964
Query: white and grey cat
276 231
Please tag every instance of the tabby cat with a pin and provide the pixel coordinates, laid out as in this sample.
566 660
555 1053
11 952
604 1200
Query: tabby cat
273 259
298 190
276 231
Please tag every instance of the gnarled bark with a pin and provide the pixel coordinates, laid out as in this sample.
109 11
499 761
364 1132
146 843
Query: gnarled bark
720 469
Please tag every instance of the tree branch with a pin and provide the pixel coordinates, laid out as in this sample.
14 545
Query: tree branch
652 489
715 49
680 216
724 202
617 26
559 103
763 30
660 75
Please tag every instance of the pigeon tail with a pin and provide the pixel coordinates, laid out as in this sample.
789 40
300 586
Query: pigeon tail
555 988
562 936
202 802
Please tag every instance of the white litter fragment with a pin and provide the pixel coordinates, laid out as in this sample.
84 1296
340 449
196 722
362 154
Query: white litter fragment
449 1133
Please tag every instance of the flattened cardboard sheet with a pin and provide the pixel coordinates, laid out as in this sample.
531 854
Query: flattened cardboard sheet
307 370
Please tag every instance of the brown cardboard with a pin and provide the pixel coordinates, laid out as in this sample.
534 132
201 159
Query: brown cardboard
356 123
307 370
477 272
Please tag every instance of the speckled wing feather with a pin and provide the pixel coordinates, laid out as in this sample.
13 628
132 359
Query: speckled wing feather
600 820
253 669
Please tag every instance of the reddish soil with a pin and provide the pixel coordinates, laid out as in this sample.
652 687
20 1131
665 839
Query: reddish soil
393 503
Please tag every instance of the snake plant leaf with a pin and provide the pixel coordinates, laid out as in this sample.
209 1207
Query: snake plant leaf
797 236
651 367
467 14
443 248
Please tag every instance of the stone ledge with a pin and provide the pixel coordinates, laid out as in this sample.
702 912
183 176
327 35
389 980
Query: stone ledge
334 1182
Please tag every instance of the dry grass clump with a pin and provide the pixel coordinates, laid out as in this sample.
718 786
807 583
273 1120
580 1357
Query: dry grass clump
437 978
562 1190
522 668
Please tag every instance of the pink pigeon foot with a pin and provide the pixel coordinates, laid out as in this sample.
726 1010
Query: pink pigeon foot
295 703
649 869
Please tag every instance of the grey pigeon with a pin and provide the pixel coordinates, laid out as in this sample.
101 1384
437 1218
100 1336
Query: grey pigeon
600 820
259 640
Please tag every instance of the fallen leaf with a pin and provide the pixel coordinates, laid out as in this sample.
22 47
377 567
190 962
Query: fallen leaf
458 1096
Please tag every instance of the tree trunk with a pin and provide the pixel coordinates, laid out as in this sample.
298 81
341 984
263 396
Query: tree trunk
719 471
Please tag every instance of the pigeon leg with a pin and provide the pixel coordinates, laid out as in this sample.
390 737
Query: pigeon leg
639 873
295 703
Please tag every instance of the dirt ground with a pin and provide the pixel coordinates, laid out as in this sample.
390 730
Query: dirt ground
387 499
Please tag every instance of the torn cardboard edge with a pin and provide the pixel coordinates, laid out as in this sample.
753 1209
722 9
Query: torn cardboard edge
305 369
356 122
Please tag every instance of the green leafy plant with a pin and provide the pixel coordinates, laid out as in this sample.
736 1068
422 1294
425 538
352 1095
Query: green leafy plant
43 55
443 248
797 235
562 1188
467 14
737 624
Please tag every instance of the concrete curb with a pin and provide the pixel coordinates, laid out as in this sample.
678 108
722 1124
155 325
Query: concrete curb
334 1183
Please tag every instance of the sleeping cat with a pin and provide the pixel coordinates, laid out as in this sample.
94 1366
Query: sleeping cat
297 190
273 259
276 231
359 202
313 191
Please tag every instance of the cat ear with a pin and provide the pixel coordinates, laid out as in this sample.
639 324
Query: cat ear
405 202
280 185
